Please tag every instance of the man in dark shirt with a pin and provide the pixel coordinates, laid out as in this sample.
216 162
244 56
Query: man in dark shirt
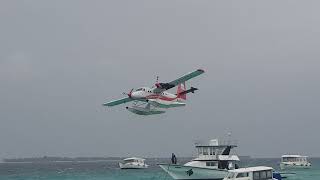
173 159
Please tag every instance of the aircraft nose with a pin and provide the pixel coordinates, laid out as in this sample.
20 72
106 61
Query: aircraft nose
134 95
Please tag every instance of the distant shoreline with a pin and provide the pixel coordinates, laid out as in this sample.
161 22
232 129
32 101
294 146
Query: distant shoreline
45 159
58 159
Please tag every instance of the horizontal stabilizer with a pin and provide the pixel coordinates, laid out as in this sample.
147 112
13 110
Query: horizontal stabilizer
192 89
165 86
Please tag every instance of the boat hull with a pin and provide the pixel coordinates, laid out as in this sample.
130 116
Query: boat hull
188 172
295 165
132 166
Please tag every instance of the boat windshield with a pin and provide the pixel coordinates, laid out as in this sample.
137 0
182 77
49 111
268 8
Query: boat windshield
262 175
231 175
139 89
245 174
129 160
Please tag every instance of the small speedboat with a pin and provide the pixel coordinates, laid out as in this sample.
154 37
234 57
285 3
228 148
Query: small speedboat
133 163
252 173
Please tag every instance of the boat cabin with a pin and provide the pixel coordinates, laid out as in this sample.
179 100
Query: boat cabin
251 173
133 160
293 158
294 161
214 148
215 156
133 163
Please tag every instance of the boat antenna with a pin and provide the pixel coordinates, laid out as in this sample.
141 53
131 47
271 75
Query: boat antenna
229 138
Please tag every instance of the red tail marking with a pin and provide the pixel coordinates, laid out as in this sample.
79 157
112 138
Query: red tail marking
181 88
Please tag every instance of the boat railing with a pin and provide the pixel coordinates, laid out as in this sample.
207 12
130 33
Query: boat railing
220 143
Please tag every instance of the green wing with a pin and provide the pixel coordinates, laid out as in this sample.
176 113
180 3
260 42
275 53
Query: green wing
117 102
186 77
166 86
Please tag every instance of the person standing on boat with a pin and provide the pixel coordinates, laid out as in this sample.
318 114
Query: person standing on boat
173 159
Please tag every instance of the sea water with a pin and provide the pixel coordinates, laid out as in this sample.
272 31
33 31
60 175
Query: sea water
109 170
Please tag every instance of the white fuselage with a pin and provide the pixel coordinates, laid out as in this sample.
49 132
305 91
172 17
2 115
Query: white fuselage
162 99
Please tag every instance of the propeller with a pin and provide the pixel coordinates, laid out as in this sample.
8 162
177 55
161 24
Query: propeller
128 94
157 82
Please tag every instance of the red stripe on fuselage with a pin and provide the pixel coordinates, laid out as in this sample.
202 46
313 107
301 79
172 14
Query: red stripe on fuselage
155 96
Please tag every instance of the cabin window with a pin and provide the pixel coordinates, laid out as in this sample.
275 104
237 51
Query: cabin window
269 174
129 161
285 159
211 164
242 175
212 151
205 151
263 175
256 175
199 151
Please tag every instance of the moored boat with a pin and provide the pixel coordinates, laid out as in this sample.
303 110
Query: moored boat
294 161
212 162
133 163
252 173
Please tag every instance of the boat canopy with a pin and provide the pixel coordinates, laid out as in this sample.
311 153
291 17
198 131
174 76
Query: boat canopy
133 159
293 156
228 158
217 143
252 169
258 173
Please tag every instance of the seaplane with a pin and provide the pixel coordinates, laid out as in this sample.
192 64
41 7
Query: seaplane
154 100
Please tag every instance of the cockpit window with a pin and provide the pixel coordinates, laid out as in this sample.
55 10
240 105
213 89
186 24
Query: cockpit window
231 175
139 89
242 175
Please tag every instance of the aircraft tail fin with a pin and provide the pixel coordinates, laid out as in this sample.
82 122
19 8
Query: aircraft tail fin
180 91
182 94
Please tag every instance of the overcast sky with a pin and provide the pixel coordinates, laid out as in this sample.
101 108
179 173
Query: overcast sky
60 60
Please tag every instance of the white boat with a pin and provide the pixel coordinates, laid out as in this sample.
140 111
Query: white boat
251 173
133 163
294 161
212 162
